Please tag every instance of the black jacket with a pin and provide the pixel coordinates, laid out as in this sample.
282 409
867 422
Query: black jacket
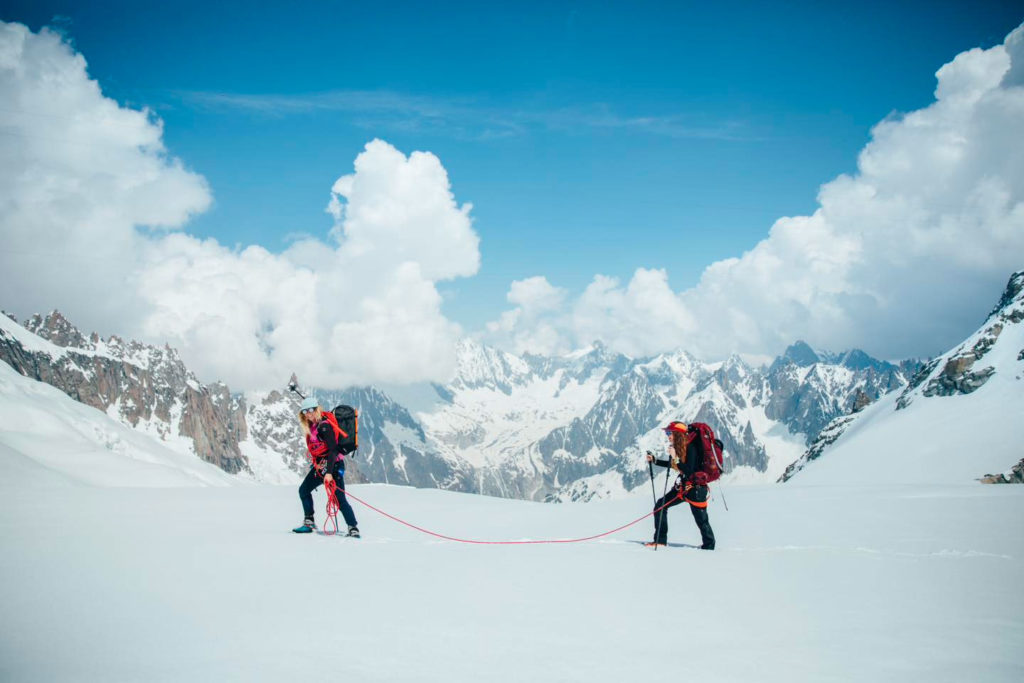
692 464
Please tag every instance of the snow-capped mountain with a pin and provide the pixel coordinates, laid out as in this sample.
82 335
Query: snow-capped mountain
968 402
543 428
145 387
47 438
575 427
150 390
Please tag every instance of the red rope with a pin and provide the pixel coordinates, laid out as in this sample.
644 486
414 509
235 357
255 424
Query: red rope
526 542
332 506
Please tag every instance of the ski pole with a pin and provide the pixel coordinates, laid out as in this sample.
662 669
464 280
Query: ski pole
650 468
664 510
721 489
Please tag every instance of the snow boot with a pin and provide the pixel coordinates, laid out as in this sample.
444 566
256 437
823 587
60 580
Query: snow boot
353 532
308 527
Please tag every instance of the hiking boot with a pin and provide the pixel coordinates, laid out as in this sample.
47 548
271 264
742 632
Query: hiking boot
353 531
308 526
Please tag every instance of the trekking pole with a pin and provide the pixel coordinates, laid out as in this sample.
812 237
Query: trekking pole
650 468
721 489
664 511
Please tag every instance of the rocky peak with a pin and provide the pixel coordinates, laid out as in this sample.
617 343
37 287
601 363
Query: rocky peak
855 359
57 330
478 365
802 354
1013 294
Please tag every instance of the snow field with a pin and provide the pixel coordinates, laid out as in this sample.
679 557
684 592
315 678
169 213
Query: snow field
809 583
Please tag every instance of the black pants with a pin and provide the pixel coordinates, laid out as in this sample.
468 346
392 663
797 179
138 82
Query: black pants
700 516
312 481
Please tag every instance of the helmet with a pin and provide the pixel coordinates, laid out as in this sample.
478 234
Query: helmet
308 403
675 427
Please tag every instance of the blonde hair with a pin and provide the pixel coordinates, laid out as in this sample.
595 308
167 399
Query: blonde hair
304 421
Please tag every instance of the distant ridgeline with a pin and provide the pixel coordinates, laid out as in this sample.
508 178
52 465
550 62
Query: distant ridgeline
535 427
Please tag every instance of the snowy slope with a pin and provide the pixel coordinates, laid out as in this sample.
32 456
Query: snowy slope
962 417
144 387
809 583
46 437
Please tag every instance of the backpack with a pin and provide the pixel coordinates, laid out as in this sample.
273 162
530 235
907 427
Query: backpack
711 463
348 424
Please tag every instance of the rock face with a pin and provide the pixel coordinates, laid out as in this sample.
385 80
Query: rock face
146 387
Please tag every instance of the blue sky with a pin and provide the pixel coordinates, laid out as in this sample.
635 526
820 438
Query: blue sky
590 137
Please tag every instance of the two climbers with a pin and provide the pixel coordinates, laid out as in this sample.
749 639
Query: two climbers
689 446
695 455
327 463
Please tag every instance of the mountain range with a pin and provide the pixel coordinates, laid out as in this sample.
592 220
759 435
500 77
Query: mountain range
559 428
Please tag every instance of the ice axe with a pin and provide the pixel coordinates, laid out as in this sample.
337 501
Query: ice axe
293 387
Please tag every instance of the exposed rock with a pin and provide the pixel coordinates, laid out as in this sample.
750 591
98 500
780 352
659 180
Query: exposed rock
143 386
923 373
860 401
1012 292
57 330
1014 476
826 438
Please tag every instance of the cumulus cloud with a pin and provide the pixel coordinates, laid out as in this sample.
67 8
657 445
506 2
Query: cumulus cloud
79 174
90 212
902 258
359 308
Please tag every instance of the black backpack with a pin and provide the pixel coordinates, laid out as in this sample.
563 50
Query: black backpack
348 422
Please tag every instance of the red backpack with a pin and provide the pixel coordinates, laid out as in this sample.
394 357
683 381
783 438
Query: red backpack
711 464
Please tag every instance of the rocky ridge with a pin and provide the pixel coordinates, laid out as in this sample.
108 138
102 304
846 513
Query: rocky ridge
146 387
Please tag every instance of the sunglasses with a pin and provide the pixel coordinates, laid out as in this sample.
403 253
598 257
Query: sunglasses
308 411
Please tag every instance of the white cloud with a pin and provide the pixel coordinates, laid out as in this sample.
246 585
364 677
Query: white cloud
534 325
363 308
903 258
85 181
79 173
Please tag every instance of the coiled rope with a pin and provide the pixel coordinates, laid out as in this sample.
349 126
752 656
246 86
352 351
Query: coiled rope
333 506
